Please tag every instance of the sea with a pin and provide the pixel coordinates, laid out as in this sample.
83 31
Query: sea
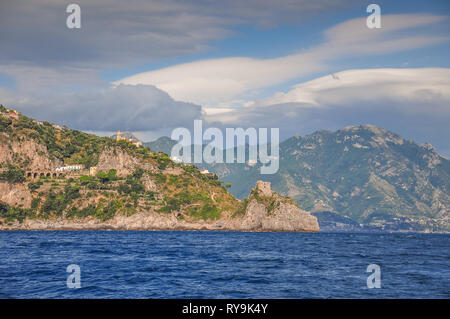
201 264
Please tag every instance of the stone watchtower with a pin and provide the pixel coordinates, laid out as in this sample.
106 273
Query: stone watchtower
264 188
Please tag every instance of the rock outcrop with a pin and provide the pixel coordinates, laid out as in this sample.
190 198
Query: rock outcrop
265 212
15 194
121 161
268 211
27 151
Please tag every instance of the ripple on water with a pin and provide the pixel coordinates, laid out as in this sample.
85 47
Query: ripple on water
222 265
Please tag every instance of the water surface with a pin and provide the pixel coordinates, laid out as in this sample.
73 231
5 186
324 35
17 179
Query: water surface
184 264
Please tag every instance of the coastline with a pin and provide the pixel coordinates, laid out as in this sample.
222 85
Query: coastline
160 229
152 221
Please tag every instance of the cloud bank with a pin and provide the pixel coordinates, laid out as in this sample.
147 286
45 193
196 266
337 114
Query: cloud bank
412 102
132 108
125 34
218 82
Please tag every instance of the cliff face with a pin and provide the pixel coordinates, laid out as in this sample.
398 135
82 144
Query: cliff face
267 210
121 161
262 212
16 194
26 152
120 186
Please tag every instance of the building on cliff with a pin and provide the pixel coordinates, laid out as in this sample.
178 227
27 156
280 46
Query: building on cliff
11 113
264 188
69 168
93 170
131 140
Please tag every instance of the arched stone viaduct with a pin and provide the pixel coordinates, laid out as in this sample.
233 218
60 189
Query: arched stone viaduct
37 174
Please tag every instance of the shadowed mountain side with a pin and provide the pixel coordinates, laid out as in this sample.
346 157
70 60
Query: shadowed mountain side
365 173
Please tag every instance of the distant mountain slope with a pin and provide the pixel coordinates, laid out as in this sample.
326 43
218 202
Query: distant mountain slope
329 221
365 173
163 144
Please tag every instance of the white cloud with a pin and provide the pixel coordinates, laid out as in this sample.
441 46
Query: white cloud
401 85
215 82
412 102
351 32
125 34
125 107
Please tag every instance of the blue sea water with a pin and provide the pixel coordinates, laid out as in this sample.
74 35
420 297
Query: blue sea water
117 264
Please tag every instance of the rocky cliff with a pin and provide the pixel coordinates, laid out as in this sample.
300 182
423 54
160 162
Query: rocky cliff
266 210
108 184
260 212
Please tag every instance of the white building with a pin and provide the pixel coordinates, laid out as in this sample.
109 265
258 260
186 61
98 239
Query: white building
69 168
176 159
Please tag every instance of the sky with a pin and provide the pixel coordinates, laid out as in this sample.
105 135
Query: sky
298 65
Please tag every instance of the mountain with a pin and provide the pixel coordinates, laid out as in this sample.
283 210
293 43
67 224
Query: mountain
330 221
52 177
365 174
163 144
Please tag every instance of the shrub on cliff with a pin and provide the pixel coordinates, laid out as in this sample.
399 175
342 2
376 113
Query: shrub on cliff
5 124
109 211
107 177
90 210
14 213
13 175
208 211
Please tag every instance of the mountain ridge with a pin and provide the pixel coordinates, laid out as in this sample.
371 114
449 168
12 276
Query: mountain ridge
366 173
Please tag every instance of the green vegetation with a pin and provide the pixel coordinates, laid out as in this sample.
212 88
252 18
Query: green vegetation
162 160
109 211
149 187
208 211
13 175
11 214
90 210
107 177
101 212
159 179
57 203
176 202
5 124
35 202
70 146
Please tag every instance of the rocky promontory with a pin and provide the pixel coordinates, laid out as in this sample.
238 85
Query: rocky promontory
263 210
55 178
